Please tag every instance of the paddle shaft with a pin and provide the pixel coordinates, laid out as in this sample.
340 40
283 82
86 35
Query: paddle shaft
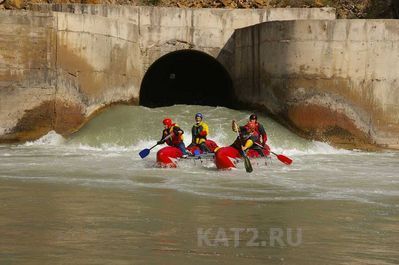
239 137
145 152
166 138
153 146
247 162
258 144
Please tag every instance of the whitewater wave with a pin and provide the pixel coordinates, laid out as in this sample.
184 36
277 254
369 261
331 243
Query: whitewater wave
315 148
133 128
51 138
220 137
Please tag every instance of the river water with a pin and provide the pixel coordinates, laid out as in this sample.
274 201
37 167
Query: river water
90 199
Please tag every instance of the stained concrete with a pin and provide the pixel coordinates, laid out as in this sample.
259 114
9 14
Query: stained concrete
64 61
329 80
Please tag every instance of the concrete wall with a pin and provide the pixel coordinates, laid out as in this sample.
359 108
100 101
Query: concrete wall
87 57
27 72
330 80
98 60
57 69
164 30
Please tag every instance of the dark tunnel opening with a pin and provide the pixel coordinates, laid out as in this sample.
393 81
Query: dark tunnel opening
186 77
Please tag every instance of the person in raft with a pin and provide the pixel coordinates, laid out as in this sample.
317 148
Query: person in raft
176 138
259 129
199 132
247 139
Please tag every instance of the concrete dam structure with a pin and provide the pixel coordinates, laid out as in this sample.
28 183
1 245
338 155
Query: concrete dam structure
327 79
335 81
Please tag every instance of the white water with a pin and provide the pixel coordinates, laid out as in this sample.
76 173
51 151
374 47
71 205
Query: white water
105 155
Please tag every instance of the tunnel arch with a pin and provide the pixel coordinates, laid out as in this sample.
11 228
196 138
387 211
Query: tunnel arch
186 77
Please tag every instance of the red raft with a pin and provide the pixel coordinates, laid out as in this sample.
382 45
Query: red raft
228 157
169 155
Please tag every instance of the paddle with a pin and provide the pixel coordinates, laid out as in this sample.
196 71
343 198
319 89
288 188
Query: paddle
145 152
247 162
282 158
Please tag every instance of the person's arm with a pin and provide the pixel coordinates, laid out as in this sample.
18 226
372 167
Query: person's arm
162 141
177 130
205 130
263 134
247 145
193 136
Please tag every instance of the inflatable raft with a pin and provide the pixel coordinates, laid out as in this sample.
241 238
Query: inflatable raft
228 157
169 155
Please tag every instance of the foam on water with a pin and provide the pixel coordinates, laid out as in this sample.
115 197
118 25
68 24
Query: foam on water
54 139
315 148
51 138
129 129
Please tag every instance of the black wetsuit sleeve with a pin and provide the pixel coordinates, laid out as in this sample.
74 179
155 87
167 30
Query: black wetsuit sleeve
162 138
193 134
254 139
242 128
262 129
177 130
236 144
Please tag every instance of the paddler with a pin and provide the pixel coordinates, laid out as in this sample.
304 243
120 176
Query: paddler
259 129
199 132
176 136
247 139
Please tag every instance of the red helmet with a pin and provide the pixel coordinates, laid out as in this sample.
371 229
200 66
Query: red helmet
167 122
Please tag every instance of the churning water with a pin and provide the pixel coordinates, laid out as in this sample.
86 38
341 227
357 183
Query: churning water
90 199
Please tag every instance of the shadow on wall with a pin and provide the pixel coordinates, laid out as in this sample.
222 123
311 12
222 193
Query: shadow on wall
395 8
186 77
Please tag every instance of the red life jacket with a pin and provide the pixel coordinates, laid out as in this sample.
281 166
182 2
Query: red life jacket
176 139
